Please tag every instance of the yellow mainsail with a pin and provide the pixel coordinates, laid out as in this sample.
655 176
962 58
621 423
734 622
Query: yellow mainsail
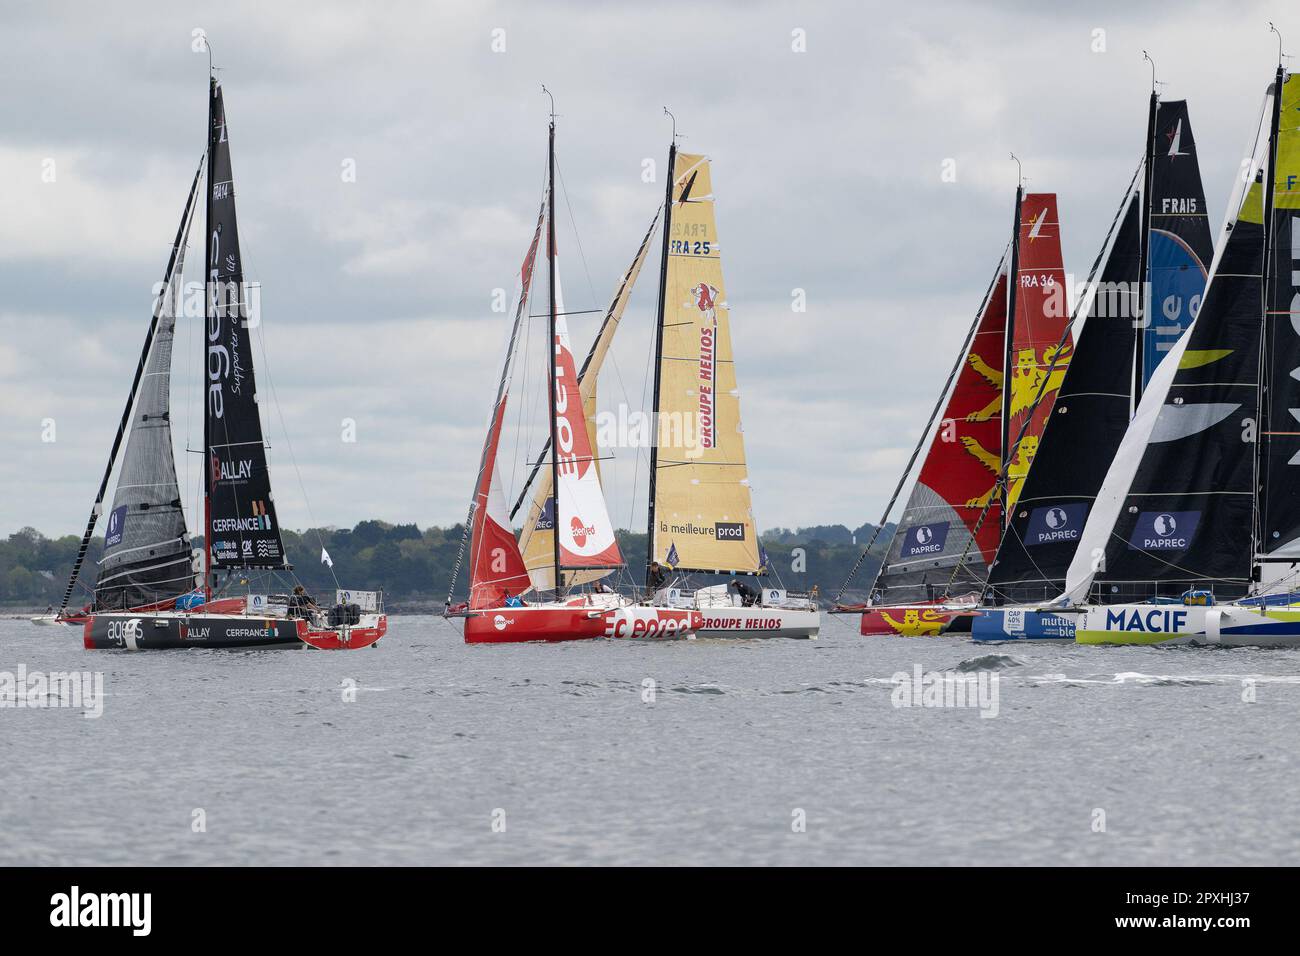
536 539
703 518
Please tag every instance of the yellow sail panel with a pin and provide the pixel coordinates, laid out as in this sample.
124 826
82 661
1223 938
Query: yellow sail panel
536 540
703 516
1286 170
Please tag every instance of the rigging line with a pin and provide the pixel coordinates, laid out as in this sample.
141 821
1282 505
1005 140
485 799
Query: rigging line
275 399
925 433
1004 472
577 238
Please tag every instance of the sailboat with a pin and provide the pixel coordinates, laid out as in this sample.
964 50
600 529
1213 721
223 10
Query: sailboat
145 594
1195 534
1003 384
700 516
1153 266
569 512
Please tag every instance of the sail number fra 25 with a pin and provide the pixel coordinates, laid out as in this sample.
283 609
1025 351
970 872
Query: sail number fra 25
685 247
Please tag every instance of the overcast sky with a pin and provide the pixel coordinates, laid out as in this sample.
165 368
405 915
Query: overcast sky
377 294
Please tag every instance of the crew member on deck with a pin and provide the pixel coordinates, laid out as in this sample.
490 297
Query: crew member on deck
301 604
747 594
656 577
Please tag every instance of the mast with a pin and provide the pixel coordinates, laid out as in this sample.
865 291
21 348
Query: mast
97 508
1008 356
1144 253
550 325
209 307
1267 296
659 349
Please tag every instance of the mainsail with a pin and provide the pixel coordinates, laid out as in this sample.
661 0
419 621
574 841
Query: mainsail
536 540
1093 407
949 531
701 513
146 557
242 531
1279 538
1040 350
1180 246
584 533
1177 506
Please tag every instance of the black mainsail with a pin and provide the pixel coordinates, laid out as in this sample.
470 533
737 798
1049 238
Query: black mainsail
1279 449
242 531
1154 265
1178 508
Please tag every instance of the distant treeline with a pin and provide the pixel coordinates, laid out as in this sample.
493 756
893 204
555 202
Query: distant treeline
414 567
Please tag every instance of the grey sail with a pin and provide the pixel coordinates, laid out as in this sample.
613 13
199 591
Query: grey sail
146 556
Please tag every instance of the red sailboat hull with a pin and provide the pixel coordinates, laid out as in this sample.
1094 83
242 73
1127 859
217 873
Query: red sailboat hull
907 621
577 622
346 639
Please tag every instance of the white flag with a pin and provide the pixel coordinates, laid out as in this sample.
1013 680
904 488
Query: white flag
325 558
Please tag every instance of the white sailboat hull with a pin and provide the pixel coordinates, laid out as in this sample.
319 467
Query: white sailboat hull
754 622
1225 625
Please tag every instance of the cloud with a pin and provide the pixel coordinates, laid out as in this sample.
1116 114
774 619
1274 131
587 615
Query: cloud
378 292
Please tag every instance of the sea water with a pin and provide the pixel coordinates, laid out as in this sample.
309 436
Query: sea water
835 751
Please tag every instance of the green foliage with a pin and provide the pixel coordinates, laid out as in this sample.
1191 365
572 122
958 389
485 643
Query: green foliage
411 565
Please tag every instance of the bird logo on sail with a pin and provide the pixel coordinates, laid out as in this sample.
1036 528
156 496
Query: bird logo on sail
706 299
1037 225
1175 137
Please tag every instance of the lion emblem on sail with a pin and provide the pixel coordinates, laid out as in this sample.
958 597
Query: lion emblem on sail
1016 471
1027 377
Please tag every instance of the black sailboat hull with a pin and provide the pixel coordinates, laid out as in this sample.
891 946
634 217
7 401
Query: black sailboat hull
148 632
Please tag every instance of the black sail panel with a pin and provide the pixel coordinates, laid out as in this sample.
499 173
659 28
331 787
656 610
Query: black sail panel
1091 412
1181 245
242 525
1280 441
1186 520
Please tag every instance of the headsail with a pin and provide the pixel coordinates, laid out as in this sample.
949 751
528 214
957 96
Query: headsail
536 539
936 526
702 511
146 557
496 566
242 528
1176 507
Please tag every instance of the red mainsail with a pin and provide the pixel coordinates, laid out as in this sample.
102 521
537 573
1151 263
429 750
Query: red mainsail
949 531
